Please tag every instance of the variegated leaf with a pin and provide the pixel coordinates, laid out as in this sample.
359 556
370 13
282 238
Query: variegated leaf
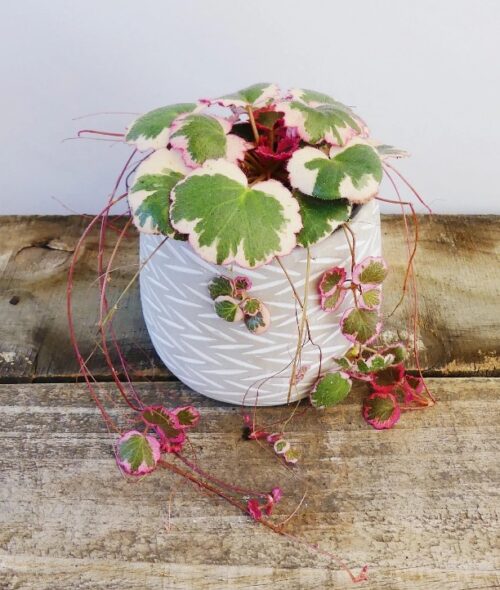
152 130
137 453
353 172
381 410
228 221
228 308
203 137
256 95
360 325
370 271
259 322
371 298
388 151
149 196
320 218
316 121
330 390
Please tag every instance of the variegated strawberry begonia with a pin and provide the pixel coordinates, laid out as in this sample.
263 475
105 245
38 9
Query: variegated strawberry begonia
250 175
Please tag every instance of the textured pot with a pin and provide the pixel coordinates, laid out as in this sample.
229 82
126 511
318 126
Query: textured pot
224 360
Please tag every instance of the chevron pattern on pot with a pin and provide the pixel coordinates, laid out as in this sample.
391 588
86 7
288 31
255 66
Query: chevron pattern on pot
224 360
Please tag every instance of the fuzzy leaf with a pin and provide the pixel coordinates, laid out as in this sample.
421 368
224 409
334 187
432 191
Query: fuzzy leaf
220 286
203 137
371 298
188 416
165 423
149 196
360 325
151 130
320 218
255 95
228 221
260 322
228 309
370 271
330 390
136 453
332 122
353 172
381 410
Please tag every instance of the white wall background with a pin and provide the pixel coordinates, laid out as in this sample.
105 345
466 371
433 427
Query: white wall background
423 73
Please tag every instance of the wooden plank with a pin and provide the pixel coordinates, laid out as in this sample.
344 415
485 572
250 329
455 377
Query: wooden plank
458 274
419 503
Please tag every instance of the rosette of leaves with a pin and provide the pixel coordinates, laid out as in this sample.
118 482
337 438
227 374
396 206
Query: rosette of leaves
232 303
272 171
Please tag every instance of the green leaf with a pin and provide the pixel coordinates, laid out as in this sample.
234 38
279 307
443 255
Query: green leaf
389 151
343 363
313 97
360 325
370 271
228 221
331 280
381 410
149 196
281 446
352 173
202 137
334 122
136 453
188 416
330 390
251 306
398 350
255 95
320 218
371 298
165 421
291 456
228 309
151 130
220 286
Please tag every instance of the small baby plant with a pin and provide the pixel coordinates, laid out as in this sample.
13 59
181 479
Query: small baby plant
233 303
379 365
277 440
164 431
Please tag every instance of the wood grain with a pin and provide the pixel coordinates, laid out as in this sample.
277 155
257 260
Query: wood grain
419 503
458 275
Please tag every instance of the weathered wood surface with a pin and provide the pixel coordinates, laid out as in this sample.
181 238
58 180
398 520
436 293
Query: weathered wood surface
419 503
458 274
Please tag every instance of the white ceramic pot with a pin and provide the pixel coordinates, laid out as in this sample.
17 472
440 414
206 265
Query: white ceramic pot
224 360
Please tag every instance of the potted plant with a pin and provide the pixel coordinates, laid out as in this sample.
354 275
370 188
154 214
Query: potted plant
275 188
260 271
